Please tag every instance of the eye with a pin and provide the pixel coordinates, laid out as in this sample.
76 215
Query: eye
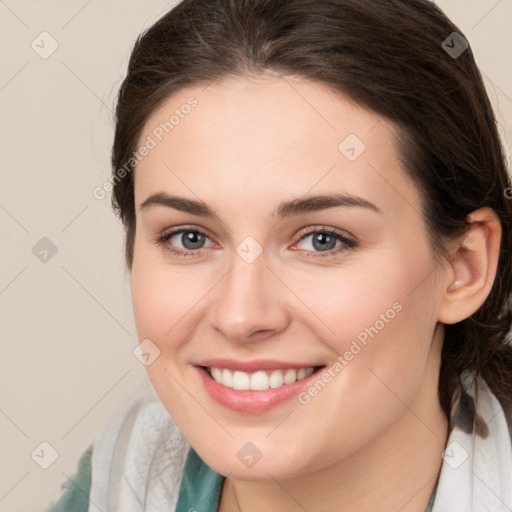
191 239
325 242
322 242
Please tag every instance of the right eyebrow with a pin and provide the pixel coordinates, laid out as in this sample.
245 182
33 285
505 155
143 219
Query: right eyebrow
179 203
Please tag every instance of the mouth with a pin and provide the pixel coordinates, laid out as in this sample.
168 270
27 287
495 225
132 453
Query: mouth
261 388
260 380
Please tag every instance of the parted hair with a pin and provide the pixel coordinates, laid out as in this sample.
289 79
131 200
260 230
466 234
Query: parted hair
388 57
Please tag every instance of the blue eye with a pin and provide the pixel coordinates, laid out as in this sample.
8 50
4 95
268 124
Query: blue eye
323 242
191 239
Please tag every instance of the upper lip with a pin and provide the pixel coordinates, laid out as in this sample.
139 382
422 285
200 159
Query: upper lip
251 366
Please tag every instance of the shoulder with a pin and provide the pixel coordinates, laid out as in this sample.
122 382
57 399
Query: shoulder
476 471
75 495
139 453
506 404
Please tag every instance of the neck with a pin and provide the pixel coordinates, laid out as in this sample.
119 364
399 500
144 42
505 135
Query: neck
395 471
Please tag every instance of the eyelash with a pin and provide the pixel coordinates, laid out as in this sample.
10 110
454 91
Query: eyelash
163 238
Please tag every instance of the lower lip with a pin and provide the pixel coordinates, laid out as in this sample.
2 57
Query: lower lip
250 401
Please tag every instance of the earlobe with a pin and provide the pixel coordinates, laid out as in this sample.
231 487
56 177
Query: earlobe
473 267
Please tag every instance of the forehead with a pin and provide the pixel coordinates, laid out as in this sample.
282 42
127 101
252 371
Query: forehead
269 136
260 107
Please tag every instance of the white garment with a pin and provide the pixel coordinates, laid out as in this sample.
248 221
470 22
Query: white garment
138 460
482 482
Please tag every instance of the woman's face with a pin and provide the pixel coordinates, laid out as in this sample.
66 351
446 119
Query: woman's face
304 250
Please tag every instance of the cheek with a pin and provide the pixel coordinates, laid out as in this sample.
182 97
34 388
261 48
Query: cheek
165 305
379 322
163 298
377 297
383 326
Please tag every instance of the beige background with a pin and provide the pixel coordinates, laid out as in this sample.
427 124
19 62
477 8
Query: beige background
66 330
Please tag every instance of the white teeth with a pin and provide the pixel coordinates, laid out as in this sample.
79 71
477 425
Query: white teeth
260 380
227 378
241 380
276 379
290 376
217 374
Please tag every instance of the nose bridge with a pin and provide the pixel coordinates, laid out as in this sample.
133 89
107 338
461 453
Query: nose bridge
247 300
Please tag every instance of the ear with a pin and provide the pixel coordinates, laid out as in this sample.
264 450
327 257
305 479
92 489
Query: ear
472 267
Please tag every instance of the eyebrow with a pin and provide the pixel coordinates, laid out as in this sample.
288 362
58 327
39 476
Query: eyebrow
285 209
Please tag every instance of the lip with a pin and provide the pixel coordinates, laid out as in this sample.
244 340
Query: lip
254 402
253 366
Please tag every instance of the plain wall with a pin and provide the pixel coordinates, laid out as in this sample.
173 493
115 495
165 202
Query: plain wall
66 330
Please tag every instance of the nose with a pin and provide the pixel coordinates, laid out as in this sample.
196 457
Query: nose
249 304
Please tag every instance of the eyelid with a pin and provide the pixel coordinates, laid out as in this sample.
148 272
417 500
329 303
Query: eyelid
348 242
163 237
325 229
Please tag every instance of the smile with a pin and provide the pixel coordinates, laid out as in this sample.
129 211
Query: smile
254 387
260 380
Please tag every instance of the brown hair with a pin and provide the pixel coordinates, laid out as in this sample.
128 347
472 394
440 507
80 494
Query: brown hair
387 56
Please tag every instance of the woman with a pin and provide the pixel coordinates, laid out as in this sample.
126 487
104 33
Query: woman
319 237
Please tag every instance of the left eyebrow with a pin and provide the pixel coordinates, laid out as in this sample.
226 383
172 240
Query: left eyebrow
321 202
285 209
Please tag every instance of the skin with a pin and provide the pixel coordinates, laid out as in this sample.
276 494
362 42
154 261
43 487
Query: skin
372 439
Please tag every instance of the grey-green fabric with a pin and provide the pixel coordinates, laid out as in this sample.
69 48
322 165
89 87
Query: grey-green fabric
75 497
201 486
